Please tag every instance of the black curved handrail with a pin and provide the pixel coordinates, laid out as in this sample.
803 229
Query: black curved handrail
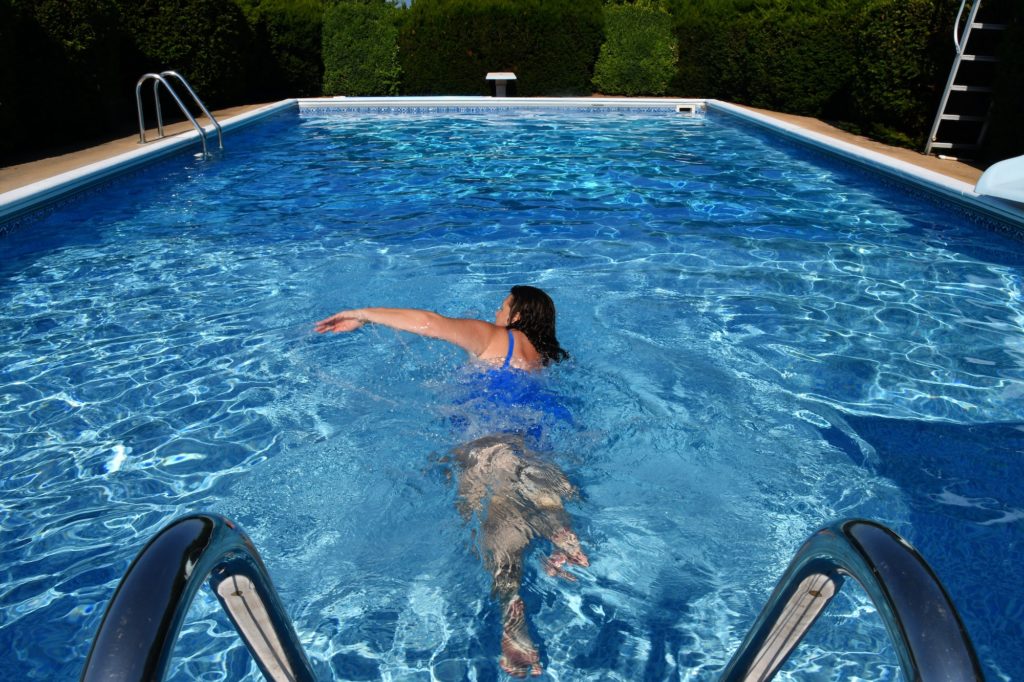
137 635
139 629
930 639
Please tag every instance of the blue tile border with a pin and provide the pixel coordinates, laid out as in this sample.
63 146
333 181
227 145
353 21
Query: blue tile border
988 221
70 196
489 105
32 215
905 186
343 109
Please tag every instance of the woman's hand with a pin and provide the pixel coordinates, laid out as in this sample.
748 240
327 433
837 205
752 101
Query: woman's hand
345 321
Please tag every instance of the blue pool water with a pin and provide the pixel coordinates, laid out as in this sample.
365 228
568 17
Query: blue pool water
763 341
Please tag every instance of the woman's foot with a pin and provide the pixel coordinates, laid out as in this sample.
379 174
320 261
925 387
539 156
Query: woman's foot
519 656
554 566
569 544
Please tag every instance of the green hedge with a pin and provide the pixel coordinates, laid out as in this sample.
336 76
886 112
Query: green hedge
11 93
287 53
710 50
360 48
903 61
209 42
639 54
68 68
61 77
795 56
448 46
874 66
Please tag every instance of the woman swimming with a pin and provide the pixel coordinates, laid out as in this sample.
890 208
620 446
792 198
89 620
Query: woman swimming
518 496
523 329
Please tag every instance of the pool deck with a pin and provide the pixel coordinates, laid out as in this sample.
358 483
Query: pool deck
20 175
953 169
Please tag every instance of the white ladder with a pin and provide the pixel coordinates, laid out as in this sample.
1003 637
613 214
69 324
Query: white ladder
966 101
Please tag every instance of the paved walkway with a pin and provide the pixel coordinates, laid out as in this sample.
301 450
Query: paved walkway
13 177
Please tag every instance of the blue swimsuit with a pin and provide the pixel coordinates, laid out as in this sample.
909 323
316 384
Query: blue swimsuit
511 349
511 399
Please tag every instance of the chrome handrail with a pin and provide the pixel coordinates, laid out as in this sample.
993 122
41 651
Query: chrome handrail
956 27
928 635
139 629
158 79
199 103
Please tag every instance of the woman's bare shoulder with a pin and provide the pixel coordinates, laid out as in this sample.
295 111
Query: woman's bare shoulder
526 355
475 336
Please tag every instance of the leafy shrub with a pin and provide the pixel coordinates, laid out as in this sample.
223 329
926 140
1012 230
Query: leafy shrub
903 61
639 53
209 42
792 56
360 48
448 46
288 61
62 58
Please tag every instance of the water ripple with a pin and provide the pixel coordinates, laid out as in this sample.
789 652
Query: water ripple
739 313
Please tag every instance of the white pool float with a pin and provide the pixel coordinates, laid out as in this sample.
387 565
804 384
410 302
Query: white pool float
1004 180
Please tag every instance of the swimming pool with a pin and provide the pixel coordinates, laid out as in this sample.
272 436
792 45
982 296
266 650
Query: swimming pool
764 341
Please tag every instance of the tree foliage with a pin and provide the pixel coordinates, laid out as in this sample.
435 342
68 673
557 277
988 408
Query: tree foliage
448 46
639 54
876 66
287 53
360 48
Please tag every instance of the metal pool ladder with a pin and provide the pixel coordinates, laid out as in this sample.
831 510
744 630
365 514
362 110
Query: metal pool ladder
966 102
136 638
161 78
929 638
140 627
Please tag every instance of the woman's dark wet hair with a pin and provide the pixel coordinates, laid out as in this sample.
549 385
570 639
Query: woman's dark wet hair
534 315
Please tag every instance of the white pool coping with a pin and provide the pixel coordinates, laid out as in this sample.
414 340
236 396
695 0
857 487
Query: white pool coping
37 195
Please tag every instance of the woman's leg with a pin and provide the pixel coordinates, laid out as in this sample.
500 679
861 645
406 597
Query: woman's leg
519 655
505 536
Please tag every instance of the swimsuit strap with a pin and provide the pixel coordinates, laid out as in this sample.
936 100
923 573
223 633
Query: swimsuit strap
511 347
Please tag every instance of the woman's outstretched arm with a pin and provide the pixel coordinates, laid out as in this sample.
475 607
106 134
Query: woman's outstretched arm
472 335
